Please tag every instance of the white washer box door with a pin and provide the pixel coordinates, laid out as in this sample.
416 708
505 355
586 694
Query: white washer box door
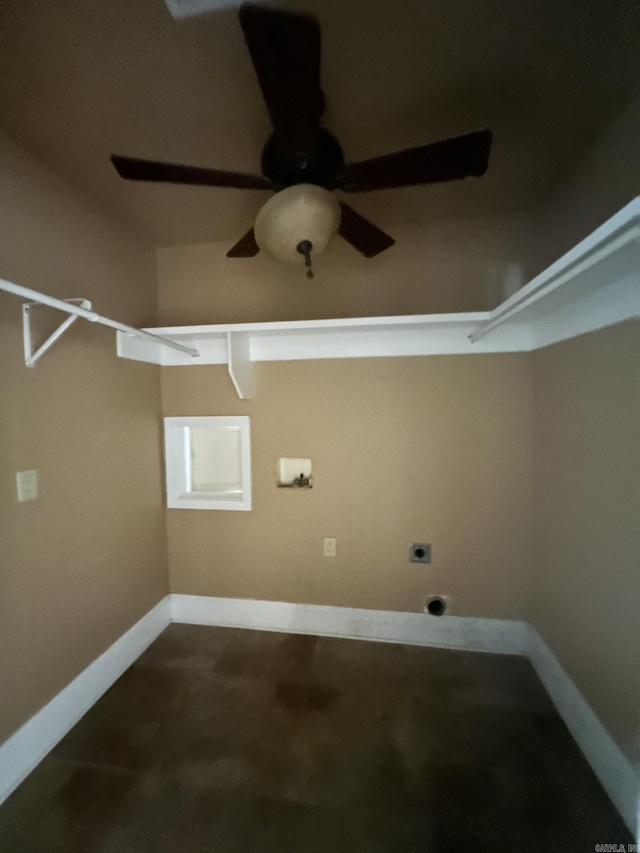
208 463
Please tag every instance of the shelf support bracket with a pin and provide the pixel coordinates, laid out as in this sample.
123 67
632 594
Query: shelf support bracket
31 357
239 364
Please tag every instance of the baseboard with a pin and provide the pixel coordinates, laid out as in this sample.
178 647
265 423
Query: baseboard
616 774
389 626
25 749
614 771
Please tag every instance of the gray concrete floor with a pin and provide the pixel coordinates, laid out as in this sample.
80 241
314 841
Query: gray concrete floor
231 741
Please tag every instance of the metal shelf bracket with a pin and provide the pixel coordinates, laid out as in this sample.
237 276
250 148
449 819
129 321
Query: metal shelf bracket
31 357
74 308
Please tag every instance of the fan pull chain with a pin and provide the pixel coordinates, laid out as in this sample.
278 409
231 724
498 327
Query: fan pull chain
304 248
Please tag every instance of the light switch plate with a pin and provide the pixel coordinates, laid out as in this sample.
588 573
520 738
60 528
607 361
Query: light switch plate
27 485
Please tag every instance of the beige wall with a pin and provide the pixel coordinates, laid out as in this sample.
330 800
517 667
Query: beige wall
586 576
444 267
81 564
403 449
599 185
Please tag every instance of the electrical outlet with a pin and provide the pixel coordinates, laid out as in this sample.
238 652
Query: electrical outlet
329 547
27 485
420 552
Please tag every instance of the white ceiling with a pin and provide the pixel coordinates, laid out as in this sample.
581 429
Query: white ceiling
82 80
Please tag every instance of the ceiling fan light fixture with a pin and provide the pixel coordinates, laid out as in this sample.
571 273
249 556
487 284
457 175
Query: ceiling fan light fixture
304 213
302 155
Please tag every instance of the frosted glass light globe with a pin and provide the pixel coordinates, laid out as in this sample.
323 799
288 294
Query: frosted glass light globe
295 214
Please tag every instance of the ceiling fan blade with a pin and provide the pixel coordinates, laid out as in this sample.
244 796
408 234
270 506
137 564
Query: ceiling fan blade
285 51
367 238
449 160
150 170
246 247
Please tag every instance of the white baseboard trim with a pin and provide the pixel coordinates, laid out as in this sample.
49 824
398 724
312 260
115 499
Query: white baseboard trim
389 626
616 774
26 748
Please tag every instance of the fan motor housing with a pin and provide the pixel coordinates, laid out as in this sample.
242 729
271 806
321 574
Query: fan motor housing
321 167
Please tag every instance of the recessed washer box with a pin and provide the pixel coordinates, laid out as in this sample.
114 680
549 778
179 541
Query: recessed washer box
293 472
208 462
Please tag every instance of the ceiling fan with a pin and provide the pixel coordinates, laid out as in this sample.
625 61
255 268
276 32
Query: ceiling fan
302 162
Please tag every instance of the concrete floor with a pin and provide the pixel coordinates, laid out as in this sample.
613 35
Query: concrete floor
221 740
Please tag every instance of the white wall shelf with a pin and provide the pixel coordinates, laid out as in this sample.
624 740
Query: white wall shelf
596 284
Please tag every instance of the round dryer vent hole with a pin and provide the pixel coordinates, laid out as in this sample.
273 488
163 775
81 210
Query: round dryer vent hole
435 605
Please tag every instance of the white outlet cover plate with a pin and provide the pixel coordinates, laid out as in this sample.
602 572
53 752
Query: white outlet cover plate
329 547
